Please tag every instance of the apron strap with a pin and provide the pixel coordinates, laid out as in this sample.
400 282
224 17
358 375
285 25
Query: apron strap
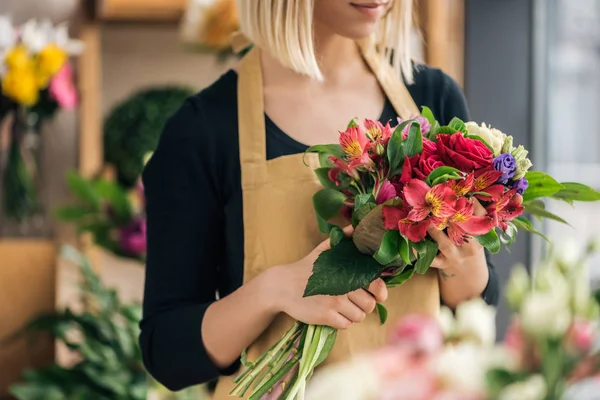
392 84
251 119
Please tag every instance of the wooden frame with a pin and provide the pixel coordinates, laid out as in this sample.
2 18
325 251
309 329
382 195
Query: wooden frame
443 24
140 10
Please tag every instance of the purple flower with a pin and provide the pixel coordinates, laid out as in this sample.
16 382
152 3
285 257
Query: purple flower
132 238
506 164
521 185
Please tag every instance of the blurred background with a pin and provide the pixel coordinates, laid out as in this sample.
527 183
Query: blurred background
70 169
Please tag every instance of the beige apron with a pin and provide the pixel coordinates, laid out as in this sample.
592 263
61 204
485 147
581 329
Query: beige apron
279 220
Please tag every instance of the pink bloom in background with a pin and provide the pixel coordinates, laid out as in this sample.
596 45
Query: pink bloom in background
418 332
514 339
62 87
132 238
581 335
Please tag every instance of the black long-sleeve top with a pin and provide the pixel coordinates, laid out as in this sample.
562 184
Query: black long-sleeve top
195 224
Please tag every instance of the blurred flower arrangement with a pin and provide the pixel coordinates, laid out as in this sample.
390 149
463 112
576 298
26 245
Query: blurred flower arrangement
114 215
208 25
551 351
102 334
36 80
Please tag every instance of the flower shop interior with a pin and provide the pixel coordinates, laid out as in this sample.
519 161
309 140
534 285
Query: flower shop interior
114 72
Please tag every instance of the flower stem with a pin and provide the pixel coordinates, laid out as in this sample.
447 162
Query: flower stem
263 361
269 384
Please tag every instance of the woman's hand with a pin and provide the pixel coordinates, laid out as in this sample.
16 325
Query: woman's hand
287 284
463 270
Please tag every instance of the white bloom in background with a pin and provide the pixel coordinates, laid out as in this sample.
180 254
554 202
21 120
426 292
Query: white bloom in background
8 35
568 254
462 368
545 315
548 278
36 35
62 39
475 320
518 286
356 380
588 389
534 388
447 322
492 137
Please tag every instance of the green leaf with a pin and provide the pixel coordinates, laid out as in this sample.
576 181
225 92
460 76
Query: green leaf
331 336
324 161
72 213
458 125
341 270
352 124
389 250
413 144
323 175
328 203
83 189
534 208
433 131
404 250
329 149
480 139
490 241
117 197
441 172
576 192
498 379
522 223
336 235
382 312
427 250
428 114
324 226
363 204
395 151
399 279
446 130
597 296
540 185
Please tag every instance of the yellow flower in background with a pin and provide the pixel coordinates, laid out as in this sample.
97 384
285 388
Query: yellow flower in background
221 22
49 61
18 58
20 84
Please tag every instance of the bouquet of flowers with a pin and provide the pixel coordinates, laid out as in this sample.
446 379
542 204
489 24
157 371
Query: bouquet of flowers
551 351
393 185
112 214
36 80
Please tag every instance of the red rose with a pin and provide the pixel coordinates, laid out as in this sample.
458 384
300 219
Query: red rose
462 153
428 162
428 146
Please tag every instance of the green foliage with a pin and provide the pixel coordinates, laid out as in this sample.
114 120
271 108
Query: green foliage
490 241
133 127
427 250
351 268
328 203
540 185
111 366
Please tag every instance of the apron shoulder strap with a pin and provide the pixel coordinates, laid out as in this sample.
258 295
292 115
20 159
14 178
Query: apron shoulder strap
392 84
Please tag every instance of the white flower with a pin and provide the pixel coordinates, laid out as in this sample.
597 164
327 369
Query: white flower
518 286
447 322
548 278
475 320
8 35
507 147
36 35
534 388
493 137
356 380
463 367
523 163
62 39
545 315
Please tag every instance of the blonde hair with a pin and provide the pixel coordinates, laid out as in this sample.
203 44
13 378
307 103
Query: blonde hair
284 29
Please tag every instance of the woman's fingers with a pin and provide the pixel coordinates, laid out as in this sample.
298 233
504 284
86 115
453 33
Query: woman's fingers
447 248
350 310
378 289
478 209
363 300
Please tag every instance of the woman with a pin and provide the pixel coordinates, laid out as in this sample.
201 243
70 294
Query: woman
229 198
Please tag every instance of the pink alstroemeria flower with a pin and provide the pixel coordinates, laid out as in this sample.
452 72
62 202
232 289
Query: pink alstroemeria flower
438 201
386 192
62 88
377 132
463 224
356 145
506 208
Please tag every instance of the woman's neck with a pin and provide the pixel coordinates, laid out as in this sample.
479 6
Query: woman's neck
339 59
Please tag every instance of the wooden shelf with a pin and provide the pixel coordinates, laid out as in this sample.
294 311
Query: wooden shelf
140 10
